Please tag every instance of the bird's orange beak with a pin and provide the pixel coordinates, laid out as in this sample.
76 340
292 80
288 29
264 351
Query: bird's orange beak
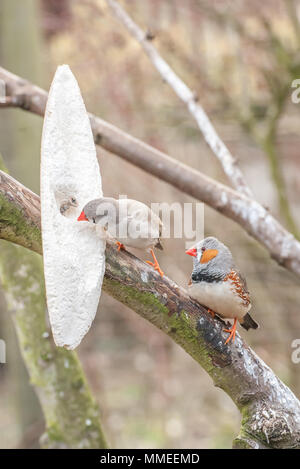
192 252
82 217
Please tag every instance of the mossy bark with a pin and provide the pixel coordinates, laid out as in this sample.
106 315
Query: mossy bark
270 411
20 137
71 414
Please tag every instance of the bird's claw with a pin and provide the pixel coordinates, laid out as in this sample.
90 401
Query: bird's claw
231 332
156 267
155 264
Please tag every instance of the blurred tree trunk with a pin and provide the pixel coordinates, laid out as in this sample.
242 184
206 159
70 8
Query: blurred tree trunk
71 414
20 134
27 407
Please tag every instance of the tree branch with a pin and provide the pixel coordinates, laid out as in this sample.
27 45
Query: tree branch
248 213
210 135
10 101
270 411
55 373
71 414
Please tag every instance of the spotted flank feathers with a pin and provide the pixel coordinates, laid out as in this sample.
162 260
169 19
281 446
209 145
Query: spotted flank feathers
238 285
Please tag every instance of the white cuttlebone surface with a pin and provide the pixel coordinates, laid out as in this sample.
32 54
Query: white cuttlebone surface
74 255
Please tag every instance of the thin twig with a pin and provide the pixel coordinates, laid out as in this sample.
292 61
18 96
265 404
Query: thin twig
9 101
248 213
218 147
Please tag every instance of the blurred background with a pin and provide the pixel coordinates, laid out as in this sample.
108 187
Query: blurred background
240 57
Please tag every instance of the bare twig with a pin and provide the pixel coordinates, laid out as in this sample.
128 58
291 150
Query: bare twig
248 213
9 101
218 147
270 411
277 81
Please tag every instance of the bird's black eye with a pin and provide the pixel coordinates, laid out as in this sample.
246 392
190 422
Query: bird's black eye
203 249
73 200
94 221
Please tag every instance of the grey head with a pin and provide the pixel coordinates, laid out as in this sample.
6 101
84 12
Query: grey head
212 260
102 211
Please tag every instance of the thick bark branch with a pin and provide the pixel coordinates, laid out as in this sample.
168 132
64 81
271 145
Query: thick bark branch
248 213
213 140
270 411
55 372
71 414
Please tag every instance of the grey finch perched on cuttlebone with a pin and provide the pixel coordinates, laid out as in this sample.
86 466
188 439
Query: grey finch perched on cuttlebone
129 222
217 284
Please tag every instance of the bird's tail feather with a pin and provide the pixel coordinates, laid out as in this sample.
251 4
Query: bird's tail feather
249 323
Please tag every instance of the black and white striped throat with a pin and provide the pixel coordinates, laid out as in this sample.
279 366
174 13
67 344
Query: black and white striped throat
207 277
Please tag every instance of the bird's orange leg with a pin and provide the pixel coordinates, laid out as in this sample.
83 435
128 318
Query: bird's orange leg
155 264
231 331
211 312
120 246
